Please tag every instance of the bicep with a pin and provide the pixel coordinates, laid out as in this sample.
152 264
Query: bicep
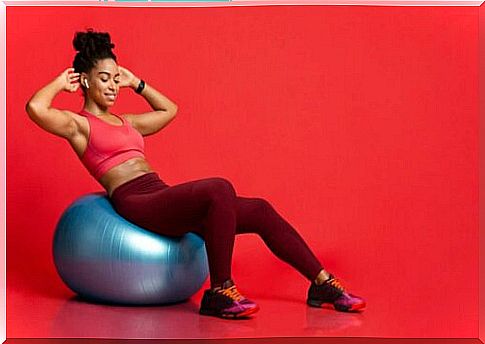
55 121
150 122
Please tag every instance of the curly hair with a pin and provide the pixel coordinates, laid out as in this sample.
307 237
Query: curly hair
91 46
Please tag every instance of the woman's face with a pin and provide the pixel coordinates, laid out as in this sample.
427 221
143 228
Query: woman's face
103 80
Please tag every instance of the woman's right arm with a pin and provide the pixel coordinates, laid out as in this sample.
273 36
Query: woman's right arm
55 121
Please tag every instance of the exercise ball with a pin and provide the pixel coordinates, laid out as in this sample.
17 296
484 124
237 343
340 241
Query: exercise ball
103 257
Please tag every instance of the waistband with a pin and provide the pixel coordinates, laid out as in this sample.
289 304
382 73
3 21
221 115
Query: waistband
146 182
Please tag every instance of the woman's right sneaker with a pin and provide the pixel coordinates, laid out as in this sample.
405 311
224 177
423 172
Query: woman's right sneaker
226 302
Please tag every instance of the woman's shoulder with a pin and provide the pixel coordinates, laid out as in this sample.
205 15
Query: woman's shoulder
81 121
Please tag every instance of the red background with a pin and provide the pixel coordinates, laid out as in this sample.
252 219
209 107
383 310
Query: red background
359 124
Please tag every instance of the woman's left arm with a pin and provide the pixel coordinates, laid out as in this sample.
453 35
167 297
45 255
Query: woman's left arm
150 122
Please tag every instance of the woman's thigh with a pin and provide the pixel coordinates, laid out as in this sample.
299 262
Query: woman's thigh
174 210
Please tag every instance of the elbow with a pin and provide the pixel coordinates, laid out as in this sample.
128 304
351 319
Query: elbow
174 110
34 110
29 108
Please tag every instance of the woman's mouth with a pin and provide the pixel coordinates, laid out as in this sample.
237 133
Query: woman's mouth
111 96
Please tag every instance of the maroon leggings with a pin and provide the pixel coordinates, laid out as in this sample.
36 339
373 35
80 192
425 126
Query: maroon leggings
211 208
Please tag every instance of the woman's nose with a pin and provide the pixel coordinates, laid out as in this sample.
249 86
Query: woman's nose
112 85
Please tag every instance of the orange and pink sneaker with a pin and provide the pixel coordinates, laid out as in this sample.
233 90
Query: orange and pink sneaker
226 302
332 292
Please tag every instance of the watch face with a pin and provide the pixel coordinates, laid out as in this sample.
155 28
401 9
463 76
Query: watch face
141 86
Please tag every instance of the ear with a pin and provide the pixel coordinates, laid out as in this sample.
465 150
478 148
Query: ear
83 78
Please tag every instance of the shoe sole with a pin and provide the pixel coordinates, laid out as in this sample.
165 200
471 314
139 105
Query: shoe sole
243 314
353 308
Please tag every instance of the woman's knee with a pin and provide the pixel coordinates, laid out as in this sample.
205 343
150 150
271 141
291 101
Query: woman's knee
261 207
217 186
261 218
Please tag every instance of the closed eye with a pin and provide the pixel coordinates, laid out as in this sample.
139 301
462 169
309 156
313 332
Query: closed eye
117 81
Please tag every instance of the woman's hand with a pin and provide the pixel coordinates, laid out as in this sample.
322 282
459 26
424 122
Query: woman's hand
127 79
69 80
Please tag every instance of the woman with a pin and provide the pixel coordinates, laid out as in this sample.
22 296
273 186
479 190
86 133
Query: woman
112 149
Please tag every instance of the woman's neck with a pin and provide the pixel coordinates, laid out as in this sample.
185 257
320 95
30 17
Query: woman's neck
95 109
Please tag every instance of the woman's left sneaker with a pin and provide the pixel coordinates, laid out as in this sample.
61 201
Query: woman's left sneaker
331 291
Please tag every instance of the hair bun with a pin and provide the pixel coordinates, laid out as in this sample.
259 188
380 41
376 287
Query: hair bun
90 43
92 46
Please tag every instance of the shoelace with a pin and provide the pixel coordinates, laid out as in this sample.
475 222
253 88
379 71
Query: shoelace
336 283
232 292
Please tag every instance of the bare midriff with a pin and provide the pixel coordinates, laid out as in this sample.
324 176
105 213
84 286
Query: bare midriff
123 173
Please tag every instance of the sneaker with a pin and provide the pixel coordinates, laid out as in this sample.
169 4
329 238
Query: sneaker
226 302
332 292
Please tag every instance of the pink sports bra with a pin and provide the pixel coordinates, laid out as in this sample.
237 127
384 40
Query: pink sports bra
109 144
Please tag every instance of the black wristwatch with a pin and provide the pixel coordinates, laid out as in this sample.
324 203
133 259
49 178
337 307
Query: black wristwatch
140 87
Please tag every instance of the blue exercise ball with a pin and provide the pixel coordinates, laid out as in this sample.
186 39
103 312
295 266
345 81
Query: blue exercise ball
102 256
